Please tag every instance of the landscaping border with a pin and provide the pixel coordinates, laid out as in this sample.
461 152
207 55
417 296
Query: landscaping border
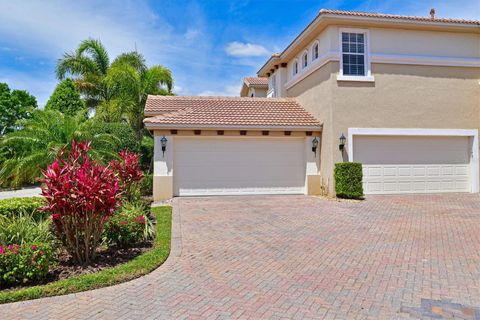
139 266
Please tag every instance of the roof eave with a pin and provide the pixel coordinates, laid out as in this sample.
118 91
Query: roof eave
153 126
332 18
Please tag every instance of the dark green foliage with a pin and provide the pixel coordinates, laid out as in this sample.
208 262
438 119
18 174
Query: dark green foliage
146 185
348 180
22 206
14 105
23 264
146 153
66 98
124 137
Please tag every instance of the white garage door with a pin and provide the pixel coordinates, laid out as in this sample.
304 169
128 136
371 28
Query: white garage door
235 166
413 164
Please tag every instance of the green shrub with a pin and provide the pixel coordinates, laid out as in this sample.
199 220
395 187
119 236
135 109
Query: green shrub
128 226
22 206
146 185
124 137
146 153
348 180
22 264
25 229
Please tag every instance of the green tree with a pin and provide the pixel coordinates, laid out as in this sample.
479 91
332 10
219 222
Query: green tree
66 98
118 90
14 106
42 136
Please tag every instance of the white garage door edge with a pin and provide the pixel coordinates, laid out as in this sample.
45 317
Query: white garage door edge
474 160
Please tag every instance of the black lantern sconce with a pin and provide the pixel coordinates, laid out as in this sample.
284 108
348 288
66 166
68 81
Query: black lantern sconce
314 145
341 146
163 141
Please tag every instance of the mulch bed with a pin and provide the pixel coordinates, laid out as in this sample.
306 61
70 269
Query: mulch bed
106 258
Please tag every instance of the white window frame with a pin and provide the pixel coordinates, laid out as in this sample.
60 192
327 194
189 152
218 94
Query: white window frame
295 69
317 44
305 59
368 68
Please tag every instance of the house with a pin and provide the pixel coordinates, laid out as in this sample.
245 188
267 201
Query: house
254 87
400 94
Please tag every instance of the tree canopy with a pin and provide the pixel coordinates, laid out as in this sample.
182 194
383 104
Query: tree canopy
66 98
15 105
118 91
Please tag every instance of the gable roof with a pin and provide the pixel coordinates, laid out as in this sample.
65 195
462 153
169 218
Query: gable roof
326 17
227 113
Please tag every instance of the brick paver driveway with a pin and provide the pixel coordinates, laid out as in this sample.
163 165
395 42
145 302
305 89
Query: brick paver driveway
389 257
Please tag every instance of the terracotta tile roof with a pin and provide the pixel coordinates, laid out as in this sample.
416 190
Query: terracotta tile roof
256 81
396 17
228 112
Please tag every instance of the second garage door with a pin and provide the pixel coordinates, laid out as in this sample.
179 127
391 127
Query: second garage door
236 166
414 164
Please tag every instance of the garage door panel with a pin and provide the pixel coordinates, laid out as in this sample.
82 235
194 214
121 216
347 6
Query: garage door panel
230 166
413 164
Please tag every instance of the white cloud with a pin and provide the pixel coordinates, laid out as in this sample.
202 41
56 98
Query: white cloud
239 49
231 90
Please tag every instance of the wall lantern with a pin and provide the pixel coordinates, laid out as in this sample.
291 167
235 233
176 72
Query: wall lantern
342 142
164 144
314 145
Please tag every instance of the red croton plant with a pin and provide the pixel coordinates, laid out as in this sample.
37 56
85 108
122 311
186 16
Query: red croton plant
128 172
81 195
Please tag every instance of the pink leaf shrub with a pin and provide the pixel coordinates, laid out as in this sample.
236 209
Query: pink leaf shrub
81 195
128 172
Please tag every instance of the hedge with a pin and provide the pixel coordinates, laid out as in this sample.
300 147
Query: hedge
17 206
348 180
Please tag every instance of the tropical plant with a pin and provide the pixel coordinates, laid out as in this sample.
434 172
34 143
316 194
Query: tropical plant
35 146
66 98
81 196
119 90
14 106
125 138
129 226
128 173
25 228
22 264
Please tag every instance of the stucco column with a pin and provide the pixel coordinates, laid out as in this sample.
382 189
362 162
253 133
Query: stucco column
312 176
163 168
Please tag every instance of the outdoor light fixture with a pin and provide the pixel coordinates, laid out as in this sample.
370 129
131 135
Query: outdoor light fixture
314 145
342 142
164 145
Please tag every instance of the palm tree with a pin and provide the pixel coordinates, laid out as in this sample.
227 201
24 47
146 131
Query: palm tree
35 146
88 65
130 81
119 90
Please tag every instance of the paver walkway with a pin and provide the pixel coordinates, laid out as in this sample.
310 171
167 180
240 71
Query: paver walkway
296 257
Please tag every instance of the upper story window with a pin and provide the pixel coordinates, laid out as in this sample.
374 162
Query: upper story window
315 52
304 60
295 68
353 54
354 58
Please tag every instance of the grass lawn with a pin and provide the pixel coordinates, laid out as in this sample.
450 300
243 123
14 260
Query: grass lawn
135 268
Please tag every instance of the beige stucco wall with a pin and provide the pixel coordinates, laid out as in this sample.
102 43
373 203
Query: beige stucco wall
402 96
314 93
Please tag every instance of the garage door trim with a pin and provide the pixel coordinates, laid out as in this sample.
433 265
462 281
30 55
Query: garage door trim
473 133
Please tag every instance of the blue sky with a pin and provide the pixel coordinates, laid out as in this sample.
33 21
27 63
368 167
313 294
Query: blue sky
209 45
